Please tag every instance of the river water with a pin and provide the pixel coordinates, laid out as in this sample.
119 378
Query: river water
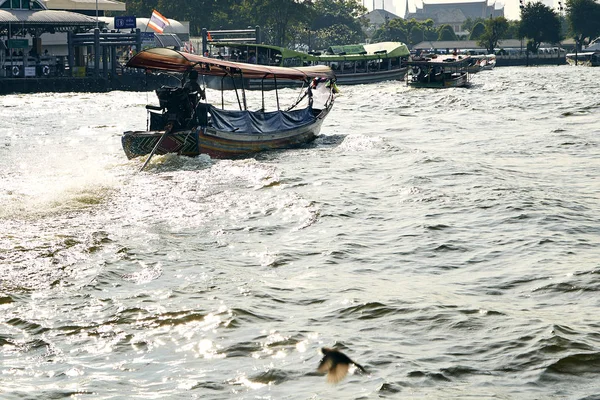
447 240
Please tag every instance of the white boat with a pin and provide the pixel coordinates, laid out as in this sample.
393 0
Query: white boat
482 62
590 56
186 125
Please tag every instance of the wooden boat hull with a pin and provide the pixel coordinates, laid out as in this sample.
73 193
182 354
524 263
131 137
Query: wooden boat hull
219 144
460 81
362 78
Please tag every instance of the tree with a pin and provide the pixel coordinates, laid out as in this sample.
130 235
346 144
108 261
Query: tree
513 30
335 35
274 16
583 17
419 31
470 23
213 13
495 28
393 31
539 23
446 33
330 12
477 31
345 14
429 32
416 35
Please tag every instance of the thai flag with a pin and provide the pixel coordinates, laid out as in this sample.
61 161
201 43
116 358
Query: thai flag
189 47
157 22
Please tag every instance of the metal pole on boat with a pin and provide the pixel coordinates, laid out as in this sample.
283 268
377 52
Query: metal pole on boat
262 89
168 130
244 91
237 95
276 91
222 96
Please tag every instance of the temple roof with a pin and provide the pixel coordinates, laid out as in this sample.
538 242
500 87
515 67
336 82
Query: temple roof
379 16
104 5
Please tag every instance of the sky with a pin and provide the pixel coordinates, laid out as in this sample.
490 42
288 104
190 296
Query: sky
511 7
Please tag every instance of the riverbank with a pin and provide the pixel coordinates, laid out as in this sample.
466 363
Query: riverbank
531 61
134 81
61 84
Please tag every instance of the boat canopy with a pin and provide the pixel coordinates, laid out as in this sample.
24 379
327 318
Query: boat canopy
248 122
359 52
437 60
285 52
347 49
160 58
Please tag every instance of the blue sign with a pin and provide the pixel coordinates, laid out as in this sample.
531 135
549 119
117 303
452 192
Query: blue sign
147 36
127 22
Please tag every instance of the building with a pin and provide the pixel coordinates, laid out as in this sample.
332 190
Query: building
376 19
30 29
463 46
455 14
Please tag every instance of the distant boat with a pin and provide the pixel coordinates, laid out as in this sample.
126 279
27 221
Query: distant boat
482 62
439 71
352 64
590 56
369 63
185 125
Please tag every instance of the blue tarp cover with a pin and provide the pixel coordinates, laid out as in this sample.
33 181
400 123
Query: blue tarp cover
259 122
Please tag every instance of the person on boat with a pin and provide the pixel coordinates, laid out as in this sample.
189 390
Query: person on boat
197 110
193 88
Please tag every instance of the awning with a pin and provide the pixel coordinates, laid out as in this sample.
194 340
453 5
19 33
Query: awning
58 21
171 60
88 5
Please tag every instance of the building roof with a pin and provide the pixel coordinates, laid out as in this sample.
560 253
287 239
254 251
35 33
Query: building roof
104 5
468 9
442 2
45 18
379 17
450 16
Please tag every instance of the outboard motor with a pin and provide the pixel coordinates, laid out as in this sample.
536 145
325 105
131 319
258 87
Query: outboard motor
175 108
175 103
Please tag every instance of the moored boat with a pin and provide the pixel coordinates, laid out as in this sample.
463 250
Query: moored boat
368 63
590 56
439 71
184 125
482 62
352 64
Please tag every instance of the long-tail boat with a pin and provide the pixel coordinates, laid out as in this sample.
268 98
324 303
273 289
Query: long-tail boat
186 124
